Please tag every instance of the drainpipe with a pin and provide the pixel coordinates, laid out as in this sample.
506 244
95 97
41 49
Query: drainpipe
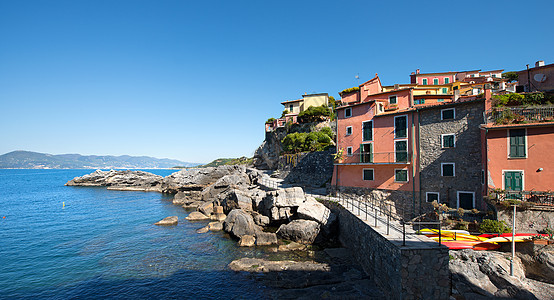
413 166
528 79
419 154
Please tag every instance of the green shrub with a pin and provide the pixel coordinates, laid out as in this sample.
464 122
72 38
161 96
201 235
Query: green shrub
294 142
299 141
327 131
494 226
285 112
350 90
515 99
314 114
270 120
511 76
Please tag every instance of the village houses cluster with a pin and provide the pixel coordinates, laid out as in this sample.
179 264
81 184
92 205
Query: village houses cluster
440 137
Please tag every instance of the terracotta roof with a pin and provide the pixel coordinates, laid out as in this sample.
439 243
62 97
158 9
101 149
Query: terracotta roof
291 101
374 78
504 126
449 72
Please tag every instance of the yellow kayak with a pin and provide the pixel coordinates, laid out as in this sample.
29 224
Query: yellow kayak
504 239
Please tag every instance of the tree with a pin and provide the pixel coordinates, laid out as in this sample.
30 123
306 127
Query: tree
511 76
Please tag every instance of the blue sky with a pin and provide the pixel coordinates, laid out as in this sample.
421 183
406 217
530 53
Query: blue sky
196 80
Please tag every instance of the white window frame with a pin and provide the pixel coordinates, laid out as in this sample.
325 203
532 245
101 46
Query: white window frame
453 169
443 90
442 140
446 80
348 109
372 172
370 121
395 100
508 145
349 149
458 198
394 126
436 80
348 127
407 175
522 178
436 193
407 150
453 109
424 81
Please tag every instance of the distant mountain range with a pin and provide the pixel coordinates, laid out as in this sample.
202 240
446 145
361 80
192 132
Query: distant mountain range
34 160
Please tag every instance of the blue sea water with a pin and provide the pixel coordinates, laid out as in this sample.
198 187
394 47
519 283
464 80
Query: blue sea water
103 244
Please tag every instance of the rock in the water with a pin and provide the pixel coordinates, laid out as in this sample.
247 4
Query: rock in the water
240 223
196 216
203 229
218 217
311 209
262 265
292 246
301 231
197 179
215 226
120 180
247 241
266 239
173 220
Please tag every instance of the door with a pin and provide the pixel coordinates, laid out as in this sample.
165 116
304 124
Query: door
465 200
513 180
366 153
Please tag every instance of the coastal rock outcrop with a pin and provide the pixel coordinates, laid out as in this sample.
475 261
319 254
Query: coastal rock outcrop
173 220
197 179
196 216
120 180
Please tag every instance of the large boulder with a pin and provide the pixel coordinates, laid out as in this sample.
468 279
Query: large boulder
206 208
236 199
282 204
196 216
196 179
301 231
311 209
239 223
123 180
173 220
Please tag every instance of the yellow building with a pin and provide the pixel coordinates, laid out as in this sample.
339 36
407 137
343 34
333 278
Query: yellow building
300 105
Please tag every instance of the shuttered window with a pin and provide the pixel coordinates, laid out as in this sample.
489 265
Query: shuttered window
401 127
401 151
517 143
448 141
367 130
366 153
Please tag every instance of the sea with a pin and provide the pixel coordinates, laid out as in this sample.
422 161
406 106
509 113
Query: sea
61 242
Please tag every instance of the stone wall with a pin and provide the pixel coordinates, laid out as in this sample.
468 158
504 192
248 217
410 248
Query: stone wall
466 155
400 272
529 220
313 169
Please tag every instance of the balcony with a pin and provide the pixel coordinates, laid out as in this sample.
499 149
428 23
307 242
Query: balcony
377 158
519 115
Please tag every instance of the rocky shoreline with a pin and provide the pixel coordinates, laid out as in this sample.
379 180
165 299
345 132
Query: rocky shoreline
288 220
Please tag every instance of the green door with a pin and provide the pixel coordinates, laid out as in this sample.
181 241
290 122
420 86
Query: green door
513 181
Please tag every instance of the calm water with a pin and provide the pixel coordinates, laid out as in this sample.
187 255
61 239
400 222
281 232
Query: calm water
104 244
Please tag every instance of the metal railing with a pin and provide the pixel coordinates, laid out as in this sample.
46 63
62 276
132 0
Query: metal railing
519 114
542 198
392 215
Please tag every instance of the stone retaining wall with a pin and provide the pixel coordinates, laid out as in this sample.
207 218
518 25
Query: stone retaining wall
400 272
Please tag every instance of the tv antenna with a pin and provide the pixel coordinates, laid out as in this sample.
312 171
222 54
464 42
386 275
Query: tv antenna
357 78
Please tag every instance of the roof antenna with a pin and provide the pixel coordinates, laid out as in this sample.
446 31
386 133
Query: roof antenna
358 78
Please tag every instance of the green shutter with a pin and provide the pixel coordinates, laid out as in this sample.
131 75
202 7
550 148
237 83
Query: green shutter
401 152
366 153
517 143
513 181
401 127
367 131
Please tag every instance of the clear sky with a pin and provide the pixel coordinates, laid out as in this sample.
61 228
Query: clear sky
196 80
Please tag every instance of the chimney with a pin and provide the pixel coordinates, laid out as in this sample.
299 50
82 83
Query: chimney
417 71
539 63
375 74
456 95
488 99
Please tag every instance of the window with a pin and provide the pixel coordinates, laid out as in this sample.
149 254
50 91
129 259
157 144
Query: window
424 81
445 90
483 177
348 151
440 100
448 140
368 174
367 131
435 81
448 169
366 153
466 200
517 143
349 130
401 175
419 101
291 107
432 196
493 75
401 127
348 112
392 100
448 114
446 80
401 151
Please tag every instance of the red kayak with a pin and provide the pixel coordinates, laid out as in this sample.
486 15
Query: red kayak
475 245
492 235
